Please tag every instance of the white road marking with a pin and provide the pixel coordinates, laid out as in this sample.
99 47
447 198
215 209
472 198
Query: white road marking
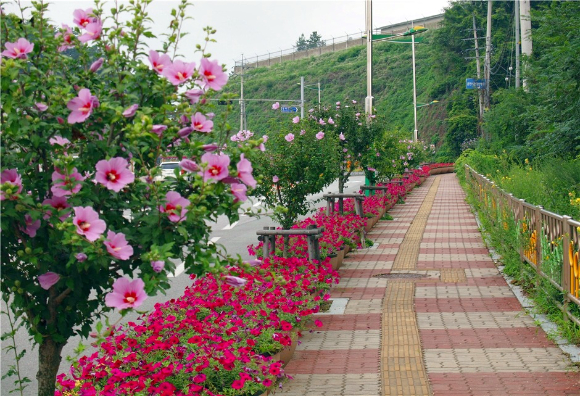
214 240
257 204
230 226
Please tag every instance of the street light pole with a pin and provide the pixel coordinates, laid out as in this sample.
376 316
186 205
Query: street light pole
319 95
242 110
414 89
301 97
369 29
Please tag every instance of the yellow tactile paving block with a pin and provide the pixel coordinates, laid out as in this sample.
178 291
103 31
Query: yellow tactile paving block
402 369
409 249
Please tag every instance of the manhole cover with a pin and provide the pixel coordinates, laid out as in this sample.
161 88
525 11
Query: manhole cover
399 276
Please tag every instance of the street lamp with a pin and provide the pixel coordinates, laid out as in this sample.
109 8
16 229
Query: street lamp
412 32
302 86
419 105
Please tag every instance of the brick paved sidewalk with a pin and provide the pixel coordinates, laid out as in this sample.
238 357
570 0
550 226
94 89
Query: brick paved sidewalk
443 321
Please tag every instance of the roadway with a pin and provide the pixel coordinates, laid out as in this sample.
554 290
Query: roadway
234 238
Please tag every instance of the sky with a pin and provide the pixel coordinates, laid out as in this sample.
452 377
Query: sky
254 28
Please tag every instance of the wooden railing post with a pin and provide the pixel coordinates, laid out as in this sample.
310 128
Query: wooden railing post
521 219
538 252
566 266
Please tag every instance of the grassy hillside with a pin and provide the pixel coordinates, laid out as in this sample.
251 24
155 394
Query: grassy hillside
343 77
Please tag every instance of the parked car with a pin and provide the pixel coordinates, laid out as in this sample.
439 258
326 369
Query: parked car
168 169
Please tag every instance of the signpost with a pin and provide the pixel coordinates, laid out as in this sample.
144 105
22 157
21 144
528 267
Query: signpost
287 109
472 83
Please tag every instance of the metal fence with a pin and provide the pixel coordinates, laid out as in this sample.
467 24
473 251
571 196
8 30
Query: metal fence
290 54
549 242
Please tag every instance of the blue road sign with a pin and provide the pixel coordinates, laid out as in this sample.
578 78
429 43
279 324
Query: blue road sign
472 83
286 109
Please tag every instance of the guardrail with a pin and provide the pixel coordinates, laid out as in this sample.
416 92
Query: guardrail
543 234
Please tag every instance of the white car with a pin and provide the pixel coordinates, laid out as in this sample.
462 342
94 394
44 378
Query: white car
168 169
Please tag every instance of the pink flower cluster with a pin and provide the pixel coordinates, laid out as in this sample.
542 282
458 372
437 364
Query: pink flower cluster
210 74
232 323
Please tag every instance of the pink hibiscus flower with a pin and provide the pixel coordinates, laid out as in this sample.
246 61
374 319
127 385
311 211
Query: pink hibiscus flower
31 226
341 136
212 74
157 265
82 106
71 183
11 177
179 72
296 119
193 95
130 111
158 129
159 61
48 279
126 294
239 191
245 172
83 17
217 166
118 246
175 206
58 203
66 37
320 135
19 49
235 281
88 223
59 140
276 106
289 137
92 32
41 106
200 123
114 173
96 65
188 165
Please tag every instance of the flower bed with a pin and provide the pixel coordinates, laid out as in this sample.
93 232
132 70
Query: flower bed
436 169
219 338
229 331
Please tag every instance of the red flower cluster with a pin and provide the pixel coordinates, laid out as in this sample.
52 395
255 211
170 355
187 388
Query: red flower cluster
215 339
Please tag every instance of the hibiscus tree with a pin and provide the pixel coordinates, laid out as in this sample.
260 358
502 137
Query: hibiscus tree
83 211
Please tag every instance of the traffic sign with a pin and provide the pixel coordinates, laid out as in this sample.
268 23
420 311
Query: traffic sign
472 83
286 109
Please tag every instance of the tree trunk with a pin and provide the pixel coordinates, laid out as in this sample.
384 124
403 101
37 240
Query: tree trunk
48 362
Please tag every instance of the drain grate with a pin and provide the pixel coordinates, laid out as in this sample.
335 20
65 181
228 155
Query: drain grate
399 276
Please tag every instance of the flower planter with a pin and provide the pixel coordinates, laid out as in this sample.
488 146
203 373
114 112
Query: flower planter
287 353
340 255
334 262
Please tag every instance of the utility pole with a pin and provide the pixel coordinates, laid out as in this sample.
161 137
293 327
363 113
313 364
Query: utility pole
301 97
242 110
488 56
479 92
517 40
526 26
369 29
414 89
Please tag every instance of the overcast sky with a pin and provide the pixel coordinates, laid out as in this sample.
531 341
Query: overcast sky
258 27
